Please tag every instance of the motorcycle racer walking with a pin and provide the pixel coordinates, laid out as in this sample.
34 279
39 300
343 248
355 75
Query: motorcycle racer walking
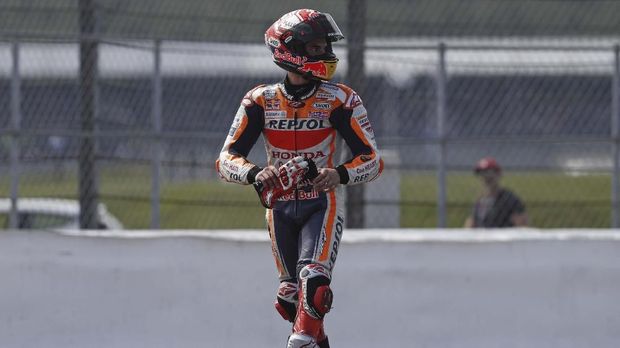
302 186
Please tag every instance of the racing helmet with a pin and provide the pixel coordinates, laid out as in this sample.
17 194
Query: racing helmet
288 36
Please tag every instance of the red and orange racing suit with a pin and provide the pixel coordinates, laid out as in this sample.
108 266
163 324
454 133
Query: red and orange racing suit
305 226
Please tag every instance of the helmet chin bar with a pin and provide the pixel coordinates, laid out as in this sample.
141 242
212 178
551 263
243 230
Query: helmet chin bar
320 70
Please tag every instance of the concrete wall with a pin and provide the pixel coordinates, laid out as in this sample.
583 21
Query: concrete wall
392 289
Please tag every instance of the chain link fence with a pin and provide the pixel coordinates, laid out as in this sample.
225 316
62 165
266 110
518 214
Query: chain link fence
441 94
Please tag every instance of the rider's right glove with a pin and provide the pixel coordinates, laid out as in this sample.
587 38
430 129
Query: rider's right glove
290 174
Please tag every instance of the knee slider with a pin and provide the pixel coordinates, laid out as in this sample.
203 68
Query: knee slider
315 290
286 300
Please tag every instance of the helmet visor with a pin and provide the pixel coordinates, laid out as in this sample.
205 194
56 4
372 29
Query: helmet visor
321 26
330 27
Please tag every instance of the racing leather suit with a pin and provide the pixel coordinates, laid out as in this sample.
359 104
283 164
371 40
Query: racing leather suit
305 226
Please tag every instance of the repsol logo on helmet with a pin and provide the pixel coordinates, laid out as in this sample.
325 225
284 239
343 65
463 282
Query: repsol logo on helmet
292 124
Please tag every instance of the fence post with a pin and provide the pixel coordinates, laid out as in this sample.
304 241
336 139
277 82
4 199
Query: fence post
615 123
441 120
156 140
15 135
88 191
357 79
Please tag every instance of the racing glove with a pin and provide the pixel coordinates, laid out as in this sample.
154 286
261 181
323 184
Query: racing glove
289 175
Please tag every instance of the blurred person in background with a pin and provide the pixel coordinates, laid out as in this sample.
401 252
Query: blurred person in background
497 206
300 119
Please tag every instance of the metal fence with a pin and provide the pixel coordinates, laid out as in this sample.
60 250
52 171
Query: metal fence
440 93
547 110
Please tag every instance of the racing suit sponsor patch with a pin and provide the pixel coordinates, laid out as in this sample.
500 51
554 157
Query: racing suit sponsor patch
301 195
365 124
275 114
295 124
272 104
323 106
289 155
336 242
327 96
330 87
322 115
353 101
269 94
366 167
296 104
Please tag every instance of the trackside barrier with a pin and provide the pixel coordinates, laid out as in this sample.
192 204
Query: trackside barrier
373 235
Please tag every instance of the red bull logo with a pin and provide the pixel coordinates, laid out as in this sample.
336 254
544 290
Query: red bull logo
316 68
287 56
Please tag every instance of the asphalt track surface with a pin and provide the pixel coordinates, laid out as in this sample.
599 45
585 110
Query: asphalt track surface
60 291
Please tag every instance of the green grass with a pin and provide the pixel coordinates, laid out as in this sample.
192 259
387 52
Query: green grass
552 199
126 192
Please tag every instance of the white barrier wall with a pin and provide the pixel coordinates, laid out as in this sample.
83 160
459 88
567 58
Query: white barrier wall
392 289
